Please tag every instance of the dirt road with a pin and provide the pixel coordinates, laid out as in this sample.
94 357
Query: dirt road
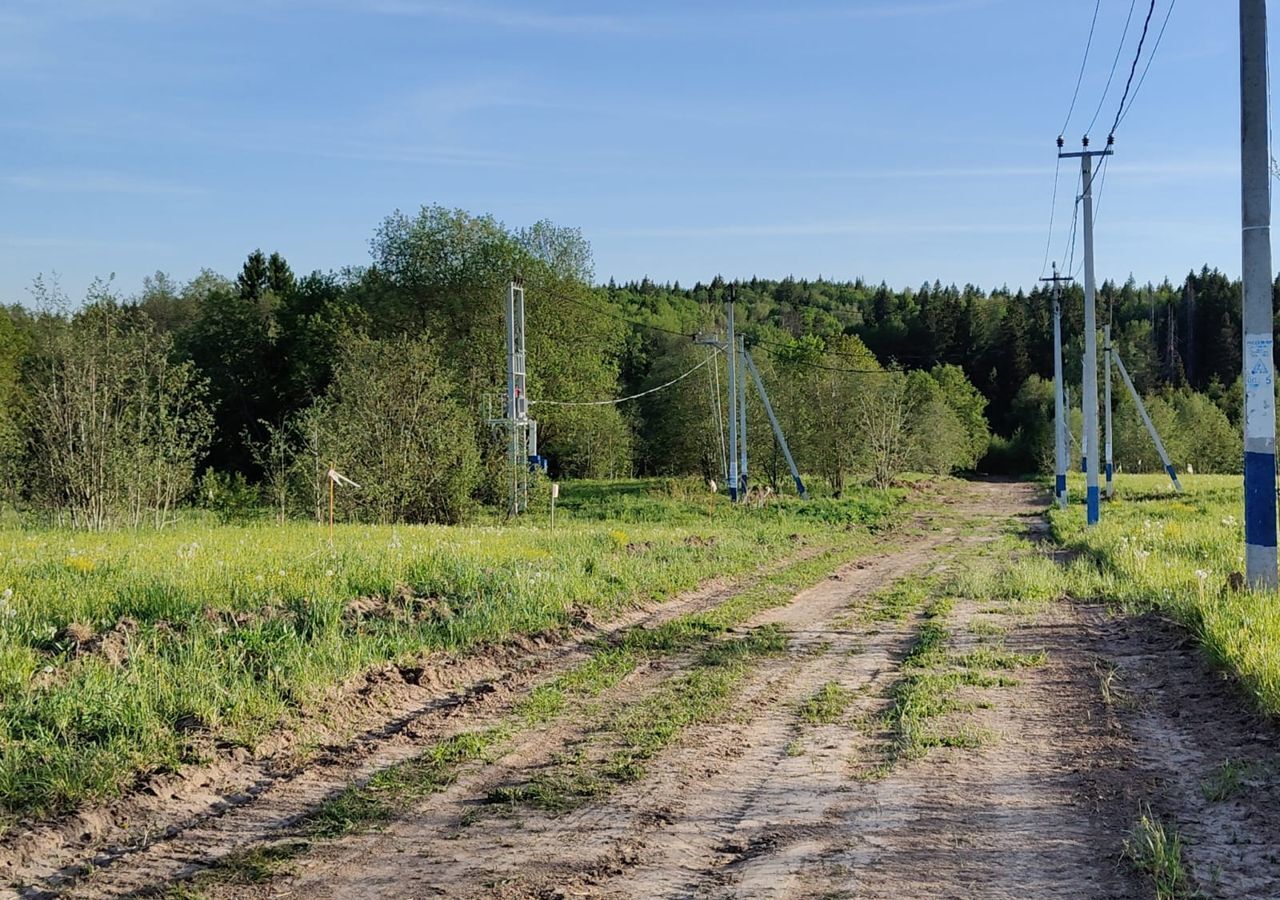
893 748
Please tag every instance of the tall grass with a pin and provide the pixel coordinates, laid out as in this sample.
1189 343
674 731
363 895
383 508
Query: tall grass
1177 554
128 653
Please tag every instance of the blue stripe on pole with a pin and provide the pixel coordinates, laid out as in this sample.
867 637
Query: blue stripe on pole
1173 476
1061 486
799 486
1260 499
1091 505
1084 464
1108 473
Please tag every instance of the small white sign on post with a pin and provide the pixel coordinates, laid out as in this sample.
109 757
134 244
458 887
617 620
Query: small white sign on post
555 492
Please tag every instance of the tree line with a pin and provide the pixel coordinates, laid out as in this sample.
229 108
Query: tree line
238 394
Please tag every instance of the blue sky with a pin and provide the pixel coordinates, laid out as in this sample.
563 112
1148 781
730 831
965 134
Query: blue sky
900 140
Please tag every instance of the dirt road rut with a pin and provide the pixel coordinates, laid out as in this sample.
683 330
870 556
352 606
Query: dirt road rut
937 746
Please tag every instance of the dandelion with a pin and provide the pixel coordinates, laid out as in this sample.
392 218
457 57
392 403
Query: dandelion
328 573
1201 574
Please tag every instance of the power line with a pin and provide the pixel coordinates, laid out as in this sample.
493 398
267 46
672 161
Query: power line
1053 208
813 365
1114 62
1155 47
1083 63
612 315
1069 249
1100 176
1134 68
616 400
1097 203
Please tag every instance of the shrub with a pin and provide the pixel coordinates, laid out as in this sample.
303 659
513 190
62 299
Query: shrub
397 429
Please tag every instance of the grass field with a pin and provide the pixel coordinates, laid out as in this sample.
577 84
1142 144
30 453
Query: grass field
1176 554
128 653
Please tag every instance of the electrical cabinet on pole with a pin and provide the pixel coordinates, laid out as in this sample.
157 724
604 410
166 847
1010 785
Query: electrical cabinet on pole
1090 386
1059 394
1258 362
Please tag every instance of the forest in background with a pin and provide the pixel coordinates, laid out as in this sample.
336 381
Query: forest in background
238 393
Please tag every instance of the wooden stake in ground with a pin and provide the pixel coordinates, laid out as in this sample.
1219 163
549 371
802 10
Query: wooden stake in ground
336 478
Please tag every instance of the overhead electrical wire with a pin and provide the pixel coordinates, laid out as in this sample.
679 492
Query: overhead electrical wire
1069 248
613 315
1057 168
1114 62
616 400
1146 25
1083 63
1053 209
1154 48
813 365
765 344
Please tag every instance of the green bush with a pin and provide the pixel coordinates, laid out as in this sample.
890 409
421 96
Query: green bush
397 430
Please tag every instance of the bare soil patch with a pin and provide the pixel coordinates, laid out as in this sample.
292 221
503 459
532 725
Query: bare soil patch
1038 769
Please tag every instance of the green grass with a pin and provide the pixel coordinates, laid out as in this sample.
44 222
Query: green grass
926 691
828 705
1155 849
1226 782
619 750
123 654
896 602
391 789
1155 550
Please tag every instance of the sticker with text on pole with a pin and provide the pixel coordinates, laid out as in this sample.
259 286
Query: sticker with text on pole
1259 393
341 480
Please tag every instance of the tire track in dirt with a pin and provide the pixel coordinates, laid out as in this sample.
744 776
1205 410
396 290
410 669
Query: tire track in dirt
1205 760
1038 810
531 853
177 823
730 812
755 804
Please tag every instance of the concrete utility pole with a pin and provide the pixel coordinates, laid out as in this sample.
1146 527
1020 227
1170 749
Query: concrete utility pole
1106 377
747 369
1259 368
1059 396
1090 387
1146 420
731 358
773 421
522 447
743 483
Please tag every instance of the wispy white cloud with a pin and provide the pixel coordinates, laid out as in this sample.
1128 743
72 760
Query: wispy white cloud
93 183
33 242
822 229
512 17
701 18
